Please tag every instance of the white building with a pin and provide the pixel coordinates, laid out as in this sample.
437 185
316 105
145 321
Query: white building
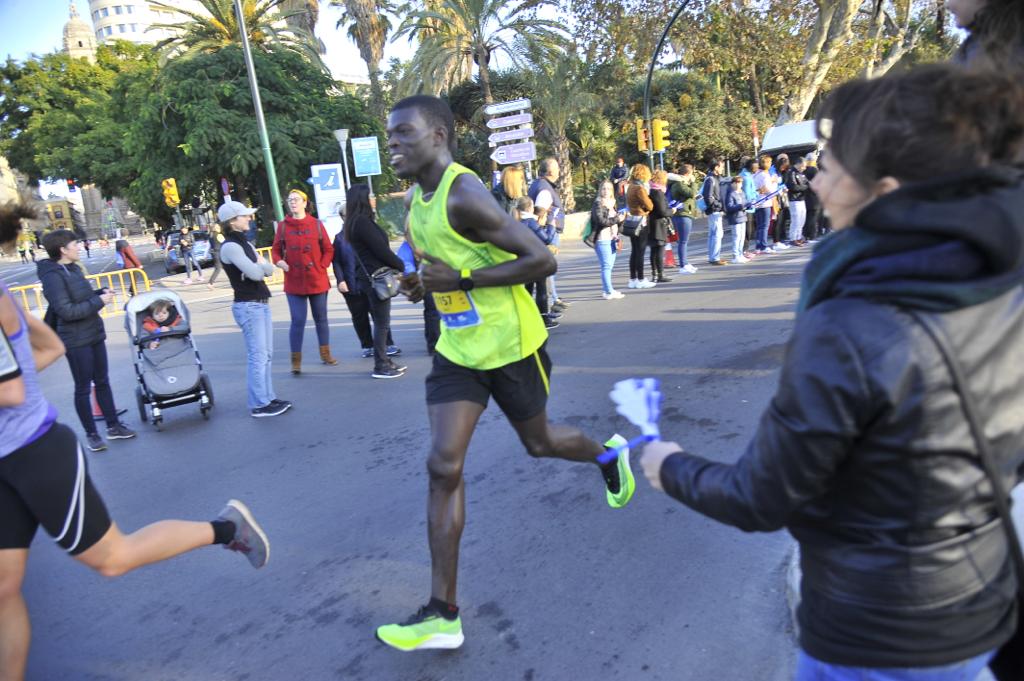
131 19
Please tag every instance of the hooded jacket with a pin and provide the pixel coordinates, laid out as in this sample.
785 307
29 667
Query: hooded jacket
74 303
306 247
864 453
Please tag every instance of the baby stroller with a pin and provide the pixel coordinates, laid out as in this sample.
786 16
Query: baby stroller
167 363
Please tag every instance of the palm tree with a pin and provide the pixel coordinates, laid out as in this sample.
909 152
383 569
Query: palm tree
217 27
368 28
456 34
559 100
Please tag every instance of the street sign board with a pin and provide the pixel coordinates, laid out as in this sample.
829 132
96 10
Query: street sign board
509 135
329 192
509 121
366 156
515 153
505 107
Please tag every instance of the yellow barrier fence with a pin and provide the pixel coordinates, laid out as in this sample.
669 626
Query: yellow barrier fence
124 283
278 276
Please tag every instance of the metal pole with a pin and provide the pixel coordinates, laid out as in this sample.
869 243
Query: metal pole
344 166
650 74
268 156
369 181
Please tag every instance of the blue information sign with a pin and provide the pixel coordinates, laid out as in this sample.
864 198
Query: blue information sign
366 156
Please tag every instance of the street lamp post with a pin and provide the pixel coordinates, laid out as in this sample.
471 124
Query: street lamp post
261 124
342 137
650 73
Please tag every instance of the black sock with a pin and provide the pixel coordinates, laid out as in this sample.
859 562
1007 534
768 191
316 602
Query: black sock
444 609
223 531
610 471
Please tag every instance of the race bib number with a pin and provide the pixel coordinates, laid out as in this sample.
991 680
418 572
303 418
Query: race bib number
457 309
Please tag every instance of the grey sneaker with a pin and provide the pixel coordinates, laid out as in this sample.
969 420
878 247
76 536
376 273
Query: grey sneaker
120 432
95 442
367 353
281 403
271 409
387 372
394 350
249 537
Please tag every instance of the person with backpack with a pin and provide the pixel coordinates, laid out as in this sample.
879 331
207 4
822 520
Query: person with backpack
714 208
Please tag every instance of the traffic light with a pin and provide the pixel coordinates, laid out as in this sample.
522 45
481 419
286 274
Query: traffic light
659 131
170 192
642 143
71 185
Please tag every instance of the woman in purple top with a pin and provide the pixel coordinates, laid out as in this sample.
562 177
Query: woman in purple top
44 480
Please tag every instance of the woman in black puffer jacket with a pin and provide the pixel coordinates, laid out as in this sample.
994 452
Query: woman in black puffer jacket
660 224
865 454
74 311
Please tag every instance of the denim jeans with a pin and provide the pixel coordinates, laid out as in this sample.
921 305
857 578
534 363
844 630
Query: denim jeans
190 259
714 237
797 218
762 218
254 320
683 226
739 238
297 308
606 258
551 280
810 669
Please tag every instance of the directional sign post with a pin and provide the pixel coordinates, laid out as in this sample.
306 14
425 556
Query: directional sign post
366 158
515 153
509 135
329 192
509 121
507 107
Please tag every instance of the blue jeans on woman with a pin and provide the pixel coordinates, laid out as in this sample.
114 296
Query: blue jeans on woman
606 257
810 669
297 308
254 320
762 218
683 226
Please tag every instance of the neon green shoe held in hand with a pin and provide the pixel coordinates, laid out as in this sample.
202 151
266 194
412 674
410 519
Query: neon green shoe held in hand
620 480
425 630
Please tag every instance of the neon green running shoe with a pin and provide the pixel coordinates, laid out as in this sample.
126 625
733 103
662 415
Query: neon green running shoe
619 478
425 630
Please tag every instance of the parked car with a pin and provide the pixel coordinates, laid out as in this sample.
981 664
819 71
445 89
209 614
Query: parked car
200 246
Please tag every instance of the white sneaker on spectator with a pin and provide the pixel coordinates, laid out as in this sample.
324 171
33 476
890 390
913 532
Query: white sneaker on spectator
781 247
646 283
633 283
740 260
687 269
614 295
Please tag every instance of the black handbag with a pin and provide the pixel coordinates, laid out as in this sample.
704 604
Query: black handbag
383 281
1008 662
633 225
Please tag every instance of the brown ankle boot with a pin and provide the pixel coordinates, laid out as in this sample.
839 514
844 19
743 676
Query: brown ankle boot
296 362
325 355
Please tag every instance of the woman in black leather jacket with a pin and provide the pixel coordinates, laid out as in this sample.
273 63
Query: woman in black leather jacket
864 453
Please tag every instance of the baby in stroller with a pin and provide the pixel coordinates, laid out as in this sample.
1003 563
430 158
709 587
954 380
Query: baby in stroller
161 317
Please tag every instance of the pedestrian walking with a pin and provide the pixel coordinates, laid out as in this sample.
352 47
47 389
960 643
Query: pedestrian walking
711 191
736 218
246 270
216 241
83 241
476 260
372 253
74 312
26 247
303 250
604 231
684 191
510 189
44 480
344 264
187 255
659 226
895 432
797 188
639 205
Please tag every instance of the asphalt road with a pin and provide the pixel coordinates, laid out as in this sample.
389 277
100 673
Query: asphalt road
554 584
15 273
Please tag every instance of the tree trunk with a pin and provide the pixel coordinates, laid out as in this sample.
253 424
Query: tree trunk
485 75
755 91
376 93
565 173
832 30
940 20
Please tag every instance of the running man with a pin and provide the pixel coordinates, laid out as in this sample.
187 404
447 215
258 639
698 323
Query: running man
476 258
44 481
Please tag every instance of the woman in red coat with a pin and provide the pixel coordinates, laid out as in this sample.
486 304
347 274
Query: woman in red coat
304 251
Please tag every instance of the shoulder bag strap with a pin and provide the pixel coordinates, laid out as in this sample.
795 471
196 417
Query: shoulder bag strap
984 451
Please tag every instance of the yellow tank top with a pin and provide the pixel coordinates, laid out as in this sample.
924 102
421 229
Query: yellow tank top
487 327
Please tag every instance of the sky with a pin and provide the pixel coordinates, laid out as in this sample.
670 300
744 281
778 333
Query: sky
36 26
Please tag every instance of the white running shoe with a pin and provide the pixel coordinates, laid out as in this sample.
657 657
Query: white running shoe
781 247
616 295
687 269
633 283
740 260
646 283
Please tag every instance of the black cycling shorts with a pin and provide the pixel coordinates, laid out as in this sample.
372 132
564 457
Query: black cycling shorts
47 483
520 388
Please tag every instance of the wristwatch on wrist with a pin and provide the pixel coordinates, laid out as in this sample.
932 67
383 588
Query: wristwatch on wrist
466 280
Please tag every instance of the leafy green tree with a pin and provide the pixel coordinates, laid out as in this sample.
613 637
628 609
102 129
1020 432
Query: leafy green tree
456 34
216 27
592 143
368 27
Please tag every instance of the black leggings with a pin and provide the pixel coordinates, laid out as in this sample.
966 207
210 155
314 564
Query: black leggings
539 289
637 245
380 310
359 308
657 258
88 368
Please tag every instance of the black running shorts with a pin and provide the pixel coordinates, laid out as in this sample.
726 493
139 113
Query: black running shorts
47 483
520 389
